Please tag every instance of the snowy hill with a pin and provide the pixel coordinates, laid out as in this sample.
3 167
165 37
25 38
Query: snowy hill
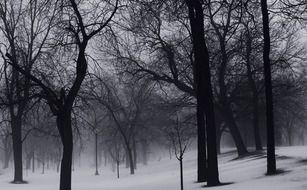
245 174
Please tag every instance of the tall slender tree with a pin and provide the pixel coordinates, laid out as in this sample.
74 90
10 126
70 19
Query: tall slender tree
271 161
203 85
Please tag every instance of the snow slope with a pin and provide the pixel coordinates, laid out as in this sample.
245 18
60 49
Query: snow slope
245 174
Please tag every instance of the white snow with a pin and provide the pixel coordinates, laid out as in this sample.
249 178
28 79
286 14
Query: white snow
245 174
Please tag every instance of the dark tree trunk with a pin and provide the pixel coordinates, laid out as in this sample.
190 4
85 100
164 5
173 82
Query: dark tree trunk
134 153
144 151
33 162
203 85
130 158
271 161
257 137
6 160
58 166
201 142
234 131
65 129
289 135
223 96
28 161
96 153
105 158
99 156
254 91
218 141
43 162
7 153
48 162
117 166
181 173
17 149
127 159
224 104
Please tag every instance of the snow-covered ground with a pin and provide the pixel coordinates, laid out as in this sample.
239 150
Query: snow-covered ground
245 174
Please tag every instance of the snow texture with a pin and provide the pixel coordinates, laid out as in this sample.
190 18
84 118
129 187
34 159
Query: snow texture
246 173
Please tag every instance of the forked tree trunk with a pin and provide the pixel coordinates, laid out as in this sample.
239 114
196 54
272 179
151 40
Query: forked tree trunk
203 82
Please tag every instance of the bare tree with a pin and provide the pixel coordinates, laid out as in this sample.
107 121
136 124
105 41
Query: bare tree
6 142
61 102
125 104
25 29
180 135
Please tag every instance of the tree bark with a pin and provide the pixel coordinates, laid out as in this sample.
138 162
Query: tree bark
203 85
96 154
201 143
117 166
271 161
17 149
134 153
181 173
234 131
130 157
65 129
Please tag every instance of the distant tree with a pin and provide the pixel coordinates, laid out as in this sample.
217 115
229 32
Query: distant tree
125 104
6 142
180 135
116 149
94 118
